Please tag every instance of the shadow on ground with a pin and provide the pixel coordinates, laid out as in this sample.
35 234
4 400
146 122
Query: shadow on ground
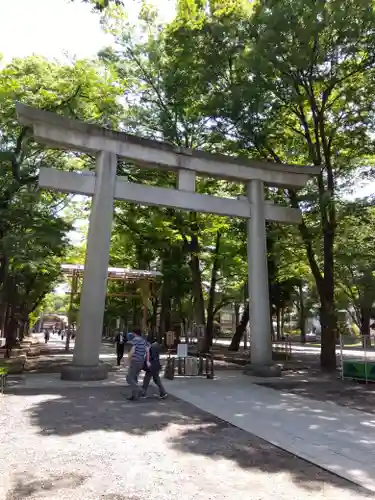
348 393
27 486
52 364
71 411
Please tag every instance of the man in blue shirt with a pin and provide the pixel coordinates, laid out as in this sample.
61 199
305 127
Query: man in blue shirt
138 356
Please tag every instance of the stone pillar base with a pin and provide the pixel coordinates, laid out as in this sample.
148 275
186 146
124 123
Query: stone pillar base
262 370
84 373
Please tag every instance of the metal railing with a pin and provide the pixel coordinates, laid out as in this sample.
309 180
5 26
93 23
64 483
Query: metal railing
191 366
284 346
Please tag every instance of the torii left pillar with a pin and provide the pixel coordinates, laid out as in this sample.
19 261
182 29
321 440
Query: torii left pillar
85 364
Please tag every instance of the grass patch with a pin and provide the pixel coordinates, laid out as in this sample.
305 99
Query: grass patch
347 344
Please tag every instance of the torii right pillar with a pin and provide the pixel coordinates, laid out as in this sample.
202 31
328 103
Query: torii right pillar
260 318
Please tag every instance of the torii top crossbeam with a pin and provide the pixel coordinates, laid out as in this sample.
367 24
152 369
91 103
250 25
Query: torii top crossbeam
59 132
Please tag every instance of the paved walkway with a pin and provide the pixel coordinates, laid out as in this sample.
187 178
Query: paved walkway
338 439
348 350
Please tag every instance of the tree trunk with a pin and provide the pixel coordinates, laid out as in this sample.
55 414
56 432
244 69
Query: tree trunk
26 331
211 296
278 323
10 334
240 330
154 316
327 297
23 328
136 316
272 332
365 320
324 281
245 302
4 310
4 264
237 313
193 247
328 323
154 299
365 326
196 276
165 314
301 308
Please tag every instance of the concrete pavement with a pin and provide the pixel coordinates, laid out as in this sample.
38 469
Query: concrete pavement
108 352
307 349
338 439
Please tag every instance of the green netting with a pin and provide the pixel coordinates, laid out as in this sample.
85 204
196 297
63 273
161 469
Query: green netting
359 370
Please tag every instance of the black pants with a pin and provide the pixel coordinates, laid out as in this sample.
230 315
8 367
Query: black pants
120 353
155 375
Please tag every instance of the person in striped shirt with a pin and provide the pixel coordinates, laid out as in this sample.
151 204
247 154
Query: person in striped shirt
138 356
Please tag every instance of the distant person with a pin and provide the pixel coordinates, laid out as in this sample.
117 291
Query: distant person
153 368
138 355
120 346
46 335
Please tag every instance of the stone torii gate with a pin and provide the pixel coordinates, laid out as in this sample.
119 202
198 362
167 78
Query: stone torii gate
104 186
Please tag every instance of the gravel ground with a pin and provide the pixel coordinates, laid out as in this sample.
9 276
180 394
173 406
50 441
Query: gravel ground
91 444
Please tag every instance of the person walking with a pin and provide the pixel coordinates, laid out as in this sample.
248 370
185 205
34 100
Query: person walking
138 356
120 346
153 369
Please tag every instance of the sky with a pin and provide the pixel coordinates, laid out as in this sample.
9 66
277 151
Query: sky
59 29
53 28
48 28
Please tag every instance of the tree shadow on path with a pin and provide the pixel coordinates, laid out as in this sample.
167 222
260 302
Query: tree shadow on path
71 411
27 486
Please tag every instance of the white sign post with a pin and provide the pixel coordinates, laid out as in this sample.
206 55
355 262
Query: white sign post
182 350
